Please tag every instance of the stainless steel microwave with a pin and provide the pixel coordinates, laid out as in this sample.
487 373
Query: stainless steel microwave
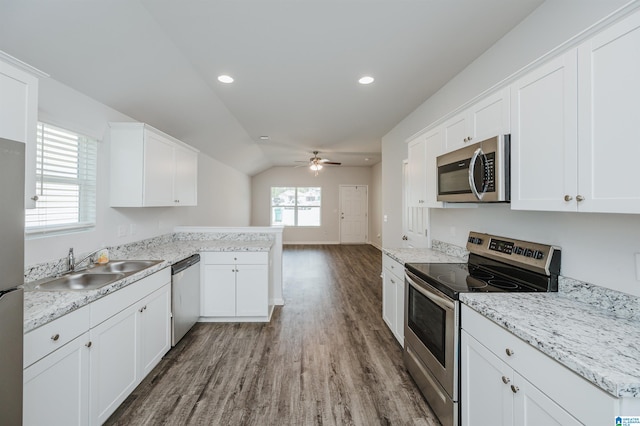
477 173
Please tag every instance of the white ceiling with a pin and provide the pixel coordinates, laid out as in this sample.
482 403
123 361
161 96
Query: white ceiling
295 64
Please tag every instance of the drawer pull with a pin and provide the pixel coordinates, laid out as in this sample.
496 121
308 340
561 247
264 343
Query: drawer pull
88 344
55 337
514 389
509 352
505 380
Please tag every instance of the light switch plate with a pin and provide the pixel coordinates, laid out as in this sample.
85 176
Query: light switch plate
638 266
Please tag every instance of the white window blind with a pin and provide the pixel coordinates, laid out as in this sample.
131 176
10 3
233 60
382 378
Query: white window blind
65 181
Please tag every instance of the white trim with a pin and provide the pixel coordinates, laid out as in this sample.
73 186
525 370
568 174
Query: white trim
4 56
309 243
276 229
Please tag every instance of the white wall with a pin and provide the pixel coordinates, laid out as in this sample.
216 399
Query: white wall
375 206
223 193
329 179
597 248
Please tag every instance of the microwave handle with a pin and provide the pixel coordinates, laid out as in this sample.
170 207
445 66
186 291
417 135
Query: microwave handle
472 167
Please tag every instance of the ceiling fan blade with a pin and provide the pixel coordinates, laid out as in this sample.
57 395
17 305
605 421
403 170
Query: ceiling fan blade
331 163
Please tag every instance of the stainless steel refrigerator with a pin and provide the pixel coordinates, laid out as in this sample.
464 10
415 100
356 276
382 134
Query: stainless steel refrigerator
11 276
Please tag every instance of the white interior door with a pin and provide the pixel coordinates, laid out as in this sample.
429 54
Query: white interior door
353 214
415 220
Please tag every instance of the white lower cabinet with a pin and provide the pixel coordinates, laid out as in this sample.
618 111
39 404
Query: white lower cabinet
126 347
235 286
56 388
114 363
80 367
494 394
393 297
506 381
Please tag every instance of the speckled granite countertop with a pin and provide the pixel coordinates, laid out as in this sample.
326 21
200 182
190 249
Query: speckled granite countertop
41 307
421 255
598 344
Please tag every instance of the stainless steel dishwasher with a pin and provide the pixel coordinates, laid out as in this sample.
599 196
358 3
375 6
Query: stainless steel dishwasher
185 296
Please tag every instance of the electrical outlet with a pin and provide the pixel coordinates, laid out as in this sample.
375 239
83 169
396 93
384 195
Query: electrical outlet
638 266
385 218
133 229
122 230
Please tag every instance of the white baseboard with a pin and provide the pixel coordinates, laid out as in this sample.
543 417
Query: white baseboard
288 243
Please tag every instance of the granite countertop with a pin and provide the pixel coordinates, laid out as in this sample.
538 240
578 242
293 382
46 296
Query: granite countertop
41 307
422 255
594 343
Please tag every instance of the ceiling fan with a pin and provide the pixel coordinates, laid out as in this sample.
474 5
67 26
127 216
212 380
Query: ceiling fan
316 163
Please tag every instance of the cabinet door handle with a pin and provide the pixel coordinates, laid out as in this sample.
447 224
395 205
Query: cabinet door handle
568 198
505 380
35 198
579 198
514 389
509 352
55 337
392 281
88 344
141 309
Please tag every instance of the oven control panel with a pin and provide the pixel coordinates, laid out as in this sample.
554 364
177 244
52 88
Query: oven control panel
534 255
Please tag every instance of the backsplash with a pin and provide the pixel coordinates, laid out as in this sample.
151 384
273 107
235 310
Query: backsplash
621 305
59 266
450 249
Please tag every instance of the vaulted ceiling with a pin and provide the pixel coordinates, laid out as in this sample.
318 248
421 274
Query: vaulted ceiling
296 65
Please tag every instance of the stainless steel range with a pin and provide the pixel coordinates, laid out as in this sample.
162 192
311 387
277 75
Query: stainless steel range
432 308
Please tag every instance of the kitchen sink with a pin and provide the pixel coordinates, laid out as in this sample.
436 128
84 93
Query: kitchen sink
123 266
80 281
95 277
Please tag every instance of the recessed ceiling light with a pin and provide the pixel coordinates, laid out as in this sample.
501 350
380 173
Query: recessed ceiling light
225 79
264 138
366 80
367 159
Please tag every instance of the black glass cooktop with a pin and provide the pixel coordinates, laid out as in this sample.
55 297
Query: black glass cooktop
480 275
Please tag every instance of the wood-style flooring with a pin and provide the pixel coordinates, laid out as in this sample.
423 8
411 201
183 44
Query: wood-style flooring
326 357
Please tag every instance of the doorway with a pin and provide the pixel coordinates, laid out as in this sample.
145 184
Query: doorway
354 213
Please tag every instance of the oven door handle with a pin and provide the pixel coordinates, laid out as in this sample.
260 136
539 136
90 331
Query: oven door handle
443 302
472 169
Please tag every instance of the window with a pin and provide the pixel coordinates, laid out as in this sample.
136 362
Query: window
65 181
295 206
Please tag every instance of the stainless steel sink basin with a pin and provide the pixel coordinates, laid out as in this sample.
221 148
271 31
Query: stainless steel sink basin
80 281
123 266
95 277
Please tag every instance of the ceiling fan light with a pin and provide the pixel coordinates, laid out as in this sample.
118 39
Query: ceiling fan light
225 79
366 80
315 167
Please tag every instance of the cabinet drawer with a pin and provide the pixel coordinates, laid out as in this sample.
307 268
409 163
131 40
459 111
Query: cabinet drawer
393 266
108 306
236 258
579 397
43 340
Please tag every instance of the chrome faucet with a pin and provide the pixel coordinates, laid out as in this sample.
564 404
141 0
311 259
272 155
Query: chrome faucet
72 265
71 261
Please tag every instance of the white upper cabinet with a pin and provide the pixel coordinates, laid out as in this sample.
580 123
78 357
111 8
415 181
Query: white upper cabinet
417 176
150 168
19 118
433 148
575 141
487 118
608 117
544 137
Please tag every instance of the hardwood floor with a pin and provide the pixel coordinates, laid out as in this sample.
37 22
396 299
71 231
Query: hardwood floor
326 357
